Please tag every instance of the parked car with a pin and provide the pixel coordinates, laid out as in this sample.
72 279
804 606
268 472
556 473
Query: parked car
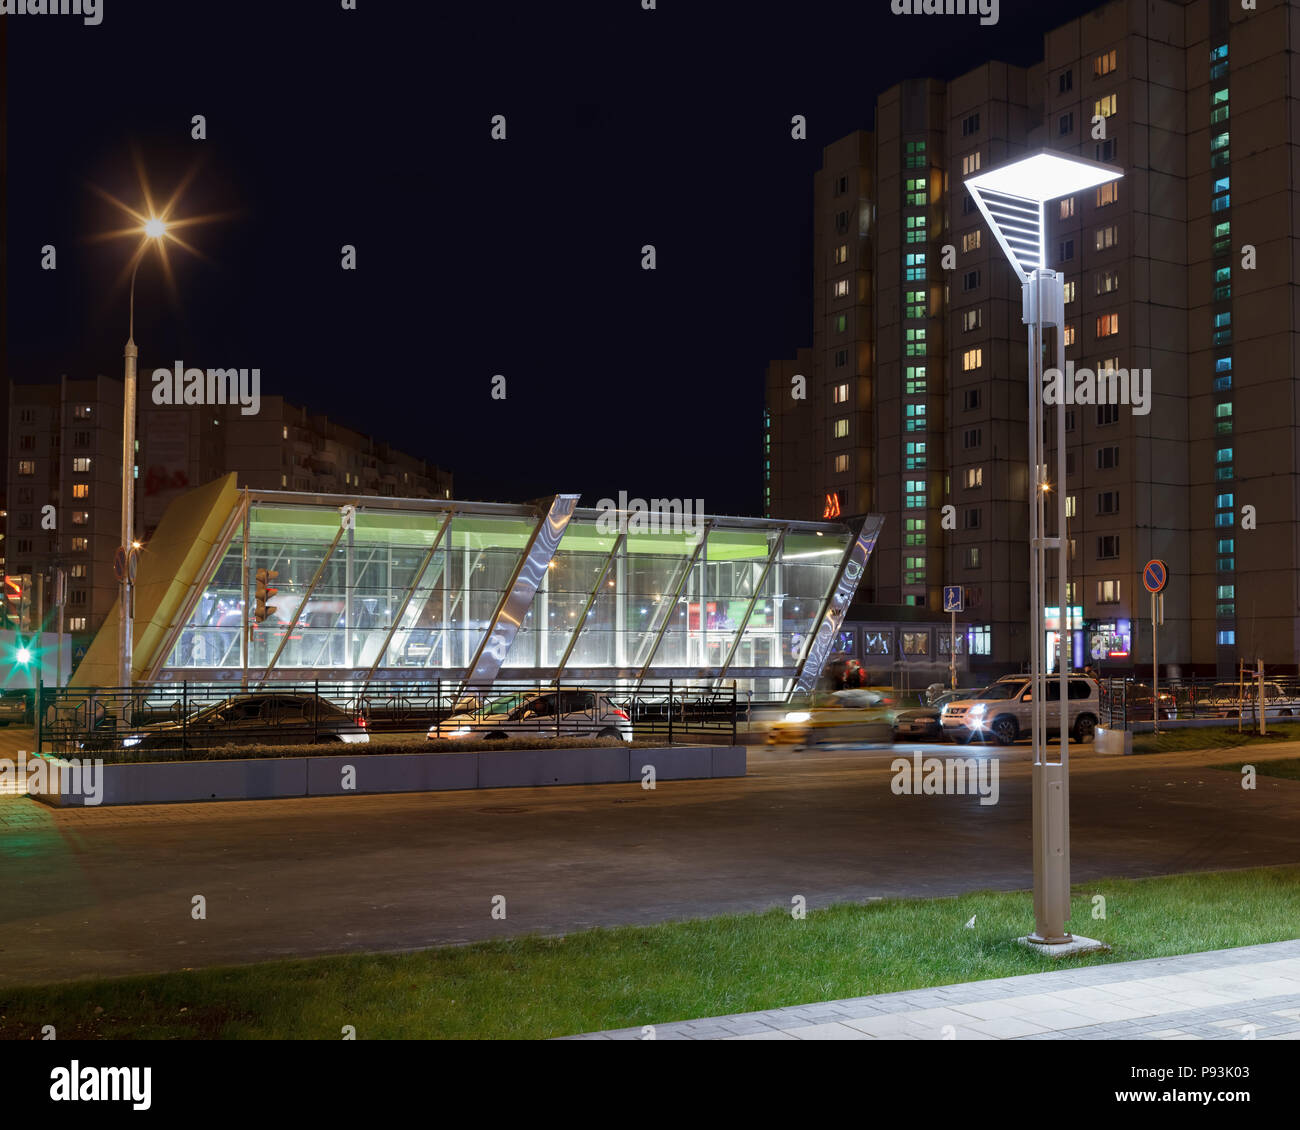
1003 710
853 715
544 714
923 721
15 706
1226 700
1138 706
270 718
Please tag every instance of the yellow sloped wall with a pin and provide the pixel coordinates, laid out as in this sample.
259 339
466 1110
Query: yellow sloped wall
168 571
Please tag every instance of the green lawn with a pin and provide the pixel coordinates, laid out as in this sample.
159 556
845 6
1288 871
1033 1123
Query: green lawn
1212 737
1288 767
535 987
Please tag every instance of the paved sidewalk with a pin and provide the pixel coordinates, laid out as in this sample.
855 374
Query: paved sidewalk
1248 993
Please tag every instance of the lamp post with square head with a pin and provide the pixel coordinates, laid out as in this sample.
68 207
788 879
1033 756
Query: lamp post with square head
1012 198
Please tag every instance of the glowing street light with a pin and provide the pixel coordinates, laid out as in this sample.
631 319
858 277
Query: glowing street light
1013 199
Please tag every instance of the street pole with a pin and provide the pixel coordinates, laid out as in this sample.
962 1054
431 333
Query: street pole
952 653
125 593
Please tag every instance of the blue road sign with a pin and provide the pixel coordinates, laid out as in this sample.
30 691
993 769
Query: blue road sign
1155 576
953 598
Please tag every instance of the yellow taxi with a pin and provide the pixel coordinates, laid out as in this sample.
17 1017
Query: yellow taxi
859 715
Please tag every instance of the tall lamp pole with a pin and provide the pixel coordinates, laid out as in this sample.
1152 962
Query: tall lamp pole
1013 199
153 230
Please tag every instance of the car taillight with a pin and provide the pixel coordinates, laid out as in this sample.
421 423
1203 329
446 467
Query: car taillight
361 720
620 714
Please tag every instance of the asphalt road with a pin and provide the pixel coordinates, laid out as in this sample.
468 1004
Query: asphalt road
109 891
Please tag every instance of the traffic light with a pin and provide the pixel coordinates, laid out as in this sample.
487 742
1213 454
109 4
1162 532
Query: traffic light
264 592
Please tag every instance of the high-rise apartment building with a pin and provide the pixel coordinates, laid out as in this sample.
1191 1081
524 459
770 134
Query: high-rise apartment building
917 401
64 481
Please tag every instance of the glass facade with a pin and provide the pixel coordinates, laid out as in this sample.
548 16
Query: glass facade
416 590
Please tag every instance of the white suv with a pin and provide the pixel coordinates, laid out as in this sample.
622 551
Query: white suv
1003 710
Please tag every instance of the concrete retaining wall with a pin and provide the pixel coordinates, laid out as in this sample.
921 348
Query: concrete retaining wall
168 782
1107 740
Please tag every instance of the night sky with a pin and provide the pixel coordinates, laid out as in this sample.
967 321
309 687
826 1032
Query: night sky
475 257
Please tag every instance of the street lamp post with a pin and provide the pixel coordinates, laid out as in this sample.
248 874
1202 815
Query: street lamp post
1013 199
153 229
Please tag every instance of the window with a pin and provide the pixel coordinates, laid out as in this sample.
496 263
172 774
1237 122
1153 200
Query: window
971 399
971 518
916 304
81 465
915 339
914 494
915 226
1106 237
972 437
77 597
841 358
915 643
80 439
974 477
841 323
915 417
915 531
1064 84
1067 208
972 320
981 639
26 466
1071 506
1107 325
76 623
841 254
77 571
1104 107
1066 250
1065 124
1223 411
1222 237
970 280
1107 546
841 428
914 154
1108 592
80 490
80 545
1107 282
1108 502
1226 592
915 375
1069 292
1107 458
81 517
1105 150
1223 502
1107 414
81 411
841 464
1223 455
840 394
841 185
970 125
1107 194
841 288
27 443
970 163
1071 332
972 557
913 570
972 359
915 460
841 222
1227 638
916 195
1104 63
970 241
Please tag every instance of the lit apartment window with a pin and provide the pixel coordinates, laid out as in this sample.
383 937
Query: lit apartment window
970 163
915 531
1108 502
81 465
915 378
972 320
27 466
840 394
76 623
1107 325
1069 293
1226 638
81 517
1222 237
80 490
914 262
1107 414
1108 592
914 494
81 411
974 477
915 342
1110 365
915 229
1106 237
1219 107
284 480
841 464
1222 284
841 427
284 432
915 460
1071 505
1107 193
972 437
972 359
972 557
1104 63
1065 124
914 417
916 304
970 241
970 399
914 155
1107 547
1069 335
841 288
913 570
1107 458
916 195
1107 282
1067 208
80 545
1104 107
841 323
842 253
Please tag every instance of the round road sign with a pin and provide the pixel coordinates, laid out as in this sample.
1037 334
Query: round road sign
1155 576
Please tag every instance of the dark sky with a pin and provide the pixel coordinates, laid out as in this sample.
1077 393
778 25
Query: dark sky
371 127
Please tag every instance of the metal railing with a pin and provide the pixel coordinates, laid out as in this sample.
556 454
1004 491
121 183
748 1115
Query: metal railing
1124 702
127 722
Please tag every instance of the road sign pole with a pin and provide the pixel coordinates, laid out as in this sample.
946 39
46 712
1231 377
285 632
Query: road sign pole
952 653
1155 667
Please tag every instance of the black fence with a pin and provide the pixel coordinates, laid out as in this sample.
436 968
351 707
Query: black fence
1125 701
131 722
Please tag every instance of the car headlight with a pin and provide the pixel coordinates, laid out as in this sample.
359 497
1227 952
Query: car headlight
979 709
132 739
798 716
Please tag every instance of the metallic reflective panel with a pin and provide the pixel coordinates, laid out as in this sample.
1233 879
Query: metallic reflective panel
854 565
297 612
528 577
